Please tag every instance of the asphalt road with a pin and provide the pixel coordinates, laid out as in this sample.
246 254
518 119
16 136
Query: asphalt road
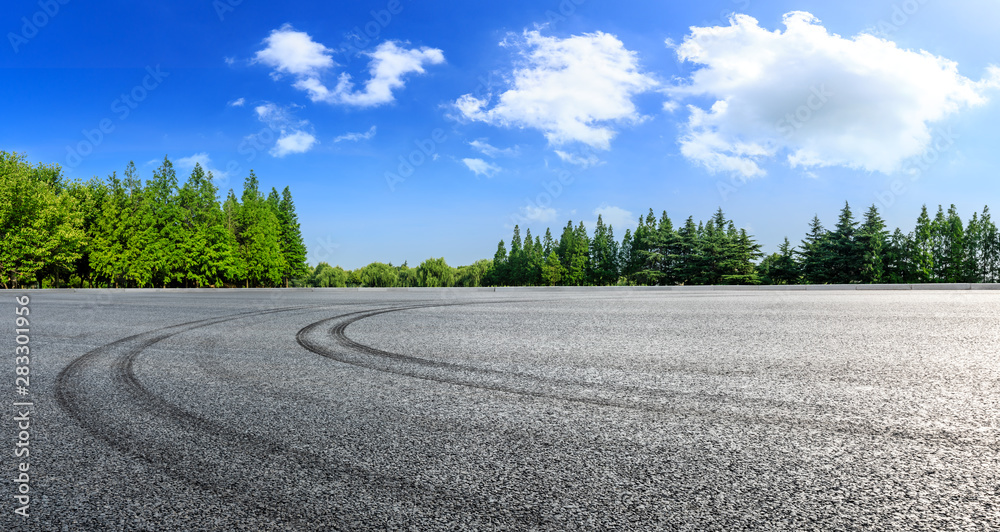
524 410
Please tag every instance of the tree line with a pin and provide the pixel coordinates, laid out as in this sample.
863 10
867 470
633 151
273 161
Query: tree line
941 249
123 232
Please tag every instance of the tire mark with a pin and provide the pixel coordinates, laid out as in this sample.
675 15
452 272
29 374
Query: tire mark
241 481
317 337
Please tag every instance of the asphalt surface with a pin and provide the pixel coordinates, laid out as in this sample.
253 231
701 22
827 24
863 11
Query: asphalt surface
516 410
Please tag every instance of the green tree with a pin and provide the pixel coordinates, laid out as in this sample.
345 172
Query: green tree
989 261
844 255
378 275
41 226
603 255
872 241
814 250
498 275
325 276
923 248
206 245
898 260
259 237
783 268
292 246
435 273
474 274
552 270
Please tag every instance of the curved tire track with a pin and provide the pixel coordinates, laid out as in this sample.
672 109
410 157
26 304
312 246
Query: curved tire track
235 466
328 338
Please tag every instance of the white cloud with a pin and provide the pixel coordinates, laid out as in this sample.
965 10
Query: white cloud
229 60
293 136
239 102
818 98
572 90
295 53
389 65
533 214
202 158
354 137
486 149
583 161
481 167
617 217
296 142
186 163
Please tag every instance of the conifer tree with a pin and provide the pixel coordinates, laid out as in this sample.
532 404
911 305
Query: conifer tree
872 241
814 254
923 248
552 270
293 248
259 237
844 256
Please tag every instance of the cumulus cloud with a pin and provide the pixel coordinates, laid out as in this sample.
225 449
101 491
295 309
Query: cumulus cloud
389 64
239 102
572 90
295 142
488 150
816 98
295 53
355 137
294 135
481 167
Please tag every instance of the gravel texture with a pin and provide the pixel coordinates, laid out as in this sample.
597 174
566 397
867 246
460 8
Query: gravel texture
516 410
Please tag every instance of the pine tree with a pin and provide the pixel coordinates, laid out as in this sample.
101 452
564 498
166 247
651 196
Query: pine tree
624 257
990 261
499 272
923 248
292 245
604 259
687 261
552 270
814 249
971 270
259 237
953 247
898 259
872 241
844 254
784 269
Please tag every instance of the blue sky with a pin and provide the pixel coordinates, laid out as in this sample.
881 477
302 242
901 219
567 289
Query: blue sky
519 112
